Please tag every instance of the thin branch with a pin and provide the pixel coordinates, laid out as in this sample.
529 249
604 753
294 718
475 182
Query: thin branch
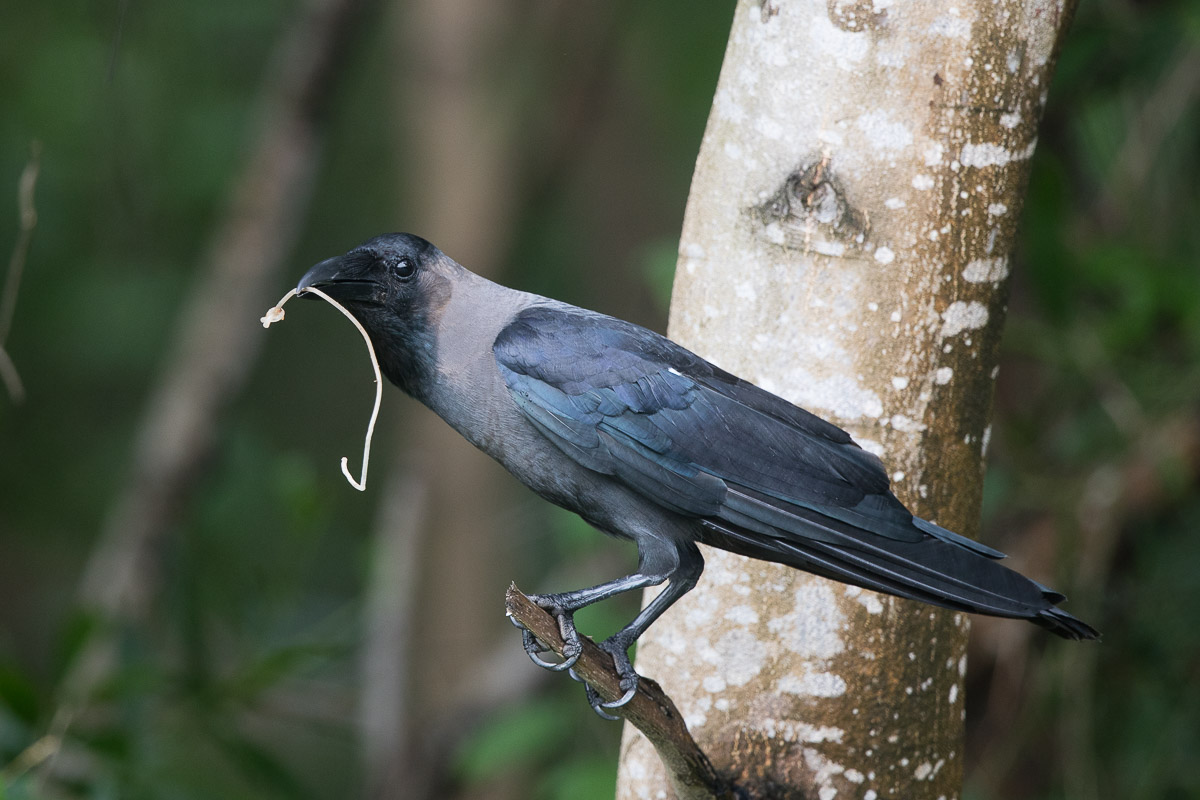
10 377
27 215
651 711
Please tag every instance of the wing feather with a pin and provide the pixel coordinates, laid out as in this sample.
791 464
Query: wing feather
764 477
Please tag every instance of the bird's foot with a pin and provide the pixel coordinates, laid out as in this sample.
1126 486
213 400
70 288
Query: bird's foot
617 646
625 672
565 616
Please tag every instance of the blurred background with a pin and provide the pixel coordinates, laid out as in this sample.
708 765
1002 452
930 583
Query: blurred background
194 603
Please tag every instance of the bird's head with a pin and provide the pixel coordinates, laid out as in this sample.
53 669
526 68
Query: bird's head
394 285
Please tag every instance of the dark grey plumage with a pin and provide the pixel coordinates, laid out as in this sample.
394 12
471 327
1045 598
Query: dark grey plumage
648 441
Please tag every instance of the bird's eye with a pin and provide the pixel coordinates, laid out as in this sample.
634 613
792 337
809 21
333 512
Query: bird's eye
404 268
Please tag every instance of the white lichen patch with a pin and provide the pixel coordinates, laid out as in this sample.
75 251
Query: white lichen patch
951 26
823 771
986 270
899 382
922 182
697 715
943 375
884 255
1013 61
933 153
987 154
742 615
790 731
906 424
882 132
845 49
893 203
813 684
870 601
841 395
769 128
740 655
813 630
872 446
961 316
997 209
1035 33
953 693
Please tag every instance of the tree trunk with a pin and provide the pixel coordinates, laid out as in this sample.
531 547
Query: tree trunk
846 246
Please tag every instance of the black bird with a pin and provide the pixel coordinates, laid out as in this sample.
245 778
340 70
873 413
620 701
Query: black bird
647 441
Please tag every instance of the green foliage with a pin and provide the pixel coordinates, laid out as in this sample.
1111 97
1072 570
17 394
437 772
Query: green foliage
540 738
514 740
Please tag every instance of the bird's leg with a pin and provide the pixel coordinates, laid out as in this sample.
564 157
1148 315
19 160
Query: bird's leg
678 564
617 645
562 606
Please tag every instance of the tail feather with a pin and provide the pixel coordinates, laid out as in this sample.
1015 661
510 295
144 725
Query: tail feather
936 570
1060 622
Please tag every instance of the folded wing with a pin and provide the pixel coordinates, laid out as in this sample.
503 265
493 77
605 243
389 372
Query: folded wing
766 478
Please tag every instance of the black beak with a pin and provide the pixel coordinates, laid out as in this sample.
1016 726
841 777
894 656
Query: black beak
330 277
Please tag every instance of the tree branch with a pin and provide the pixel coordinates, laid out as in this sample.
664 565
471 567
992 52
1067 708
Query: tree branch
651 711
16 266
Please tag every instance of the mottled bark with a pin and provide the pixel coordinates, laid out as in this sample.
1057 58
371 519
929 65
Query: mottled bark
846 245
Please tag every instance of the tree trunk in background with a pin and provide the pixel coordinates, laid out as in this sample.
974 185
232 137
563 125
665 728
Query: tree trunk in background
414 666
846 245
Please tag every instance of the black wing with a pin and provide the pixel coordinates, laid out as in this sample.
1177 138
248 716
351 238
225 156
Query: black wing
768 479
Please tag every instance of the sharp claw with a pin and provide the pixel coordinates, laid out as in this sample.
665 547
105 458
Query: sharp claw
572 649
625 698
618 649
567 664
598 704
533 647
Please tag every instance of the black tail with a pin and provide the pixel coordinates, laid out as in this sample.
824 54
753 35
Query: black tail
1060 622
933 569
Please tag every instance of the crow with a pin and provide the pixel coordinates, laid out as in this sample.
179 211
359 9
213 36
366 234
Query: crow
647 441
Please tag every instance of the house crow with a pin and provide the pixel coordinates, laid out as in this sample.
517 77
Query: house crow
647 441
